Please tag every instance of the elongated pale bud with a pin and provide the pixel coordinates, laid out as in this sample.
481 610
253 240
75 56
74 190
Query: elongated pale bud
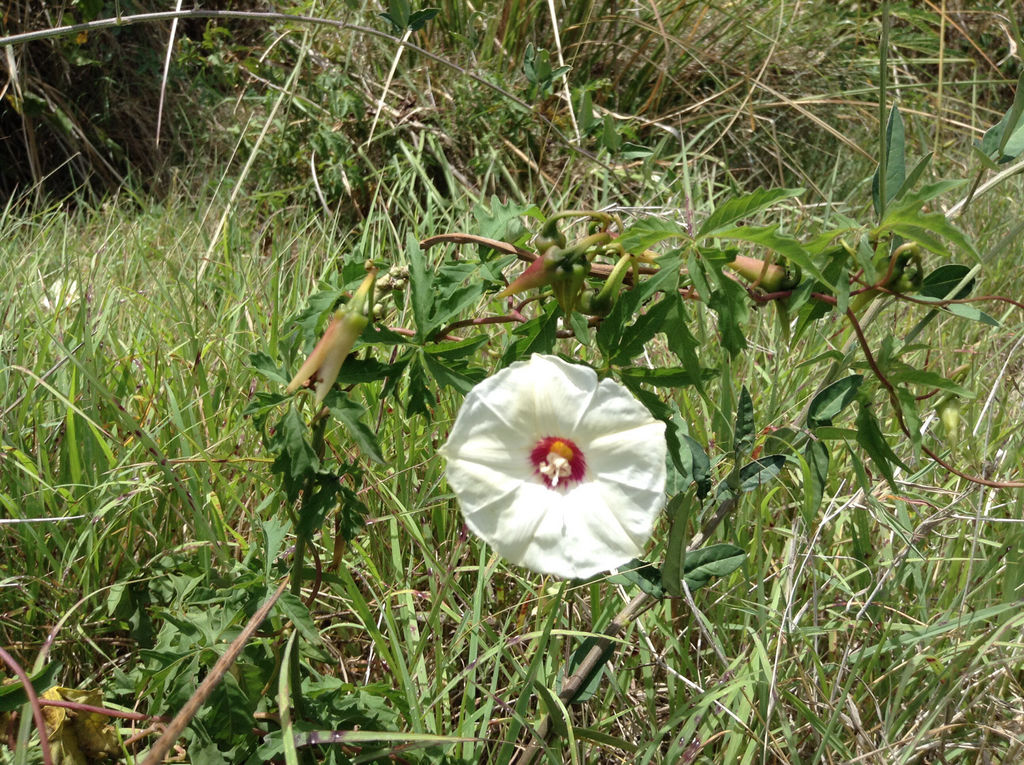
345 327
767 276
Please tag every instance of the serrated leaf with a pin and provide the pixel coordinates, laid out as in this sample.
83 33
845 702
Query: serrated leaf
266 366
538 335
348 413
320 495
640 332
501 221
732 306
451 373
368 370
739 208
417 398
828 403
717 560
296 456
295 611
649 231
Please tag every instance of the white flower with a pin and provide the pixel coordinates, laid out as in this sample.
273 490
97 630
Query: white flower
558 472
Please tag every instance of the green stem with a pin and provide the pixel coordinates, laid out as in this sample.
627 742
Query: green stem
295 668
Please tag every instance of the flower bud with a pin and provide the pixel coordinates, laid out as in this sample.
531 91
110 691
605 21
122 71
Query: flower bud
345 327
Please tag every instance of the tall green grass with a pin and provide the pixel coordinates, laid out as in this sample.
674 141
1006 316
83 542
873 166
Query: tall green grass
141 524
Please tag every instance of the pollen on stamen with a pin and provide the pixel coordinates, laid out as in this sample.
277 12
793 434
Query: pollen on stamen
558 462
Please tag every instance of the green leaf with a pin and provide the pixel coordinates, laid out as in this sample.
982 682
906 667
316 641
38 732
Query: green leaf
348 413
368 370
668 377
966 311
756 474
420 18
266 366
451 373
640 574
739 208
421 287
295 611
502 221
941 282
681 341
895 163
872 440
320 496
716 560
418 398
672 569
592 681
610 136
744 429
1004 141
732 306
828 403
295 457
700 465
907 218
816 457
904 373
641 331
538 335
649 231
914 175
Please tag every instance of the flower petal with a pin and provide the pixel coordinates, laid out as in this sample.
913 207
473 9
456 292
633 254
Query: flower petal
572 530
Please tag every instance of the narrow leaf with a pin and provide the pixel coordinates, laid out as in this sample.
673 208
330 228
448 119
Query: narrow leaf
872 440
895 163
675 553
816 457
744 428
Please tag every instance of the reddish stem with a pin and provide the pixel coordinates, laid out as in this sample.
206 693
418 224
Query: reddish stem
33 700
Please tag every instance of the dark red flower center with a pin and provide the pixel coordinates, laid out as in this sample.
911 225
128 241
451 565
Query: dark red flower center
558 462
